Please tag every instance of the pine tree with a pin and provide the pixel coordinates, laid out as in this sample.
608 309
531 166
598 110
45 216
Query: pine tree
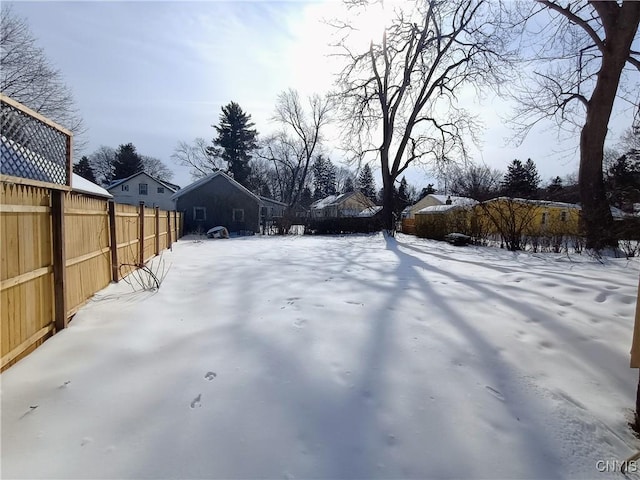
403 197
428 190
521 180
324 177
348 185
127 162
554 188
533 179
366 183
83 168
237 139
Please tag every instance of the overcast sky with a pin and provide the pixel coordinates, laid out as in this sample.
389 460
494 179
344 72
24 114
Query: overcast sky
156 73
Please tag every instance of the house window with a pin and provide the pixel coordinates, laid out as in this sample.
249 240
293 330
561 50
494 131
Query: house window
544 218
142 188
563 216
125 188
160 189
199 214
238 215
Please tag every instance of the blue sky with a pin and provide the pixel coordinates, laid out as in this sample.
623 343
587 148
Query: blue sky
156 73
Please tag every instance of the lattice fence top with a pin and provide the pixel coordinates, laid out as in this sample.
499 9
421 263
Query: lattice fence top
31 147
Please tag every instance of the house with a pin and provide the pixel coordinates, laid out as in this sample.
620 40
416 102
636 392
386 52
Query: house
433 200
218 200
271 209
437 221
142 187
349 204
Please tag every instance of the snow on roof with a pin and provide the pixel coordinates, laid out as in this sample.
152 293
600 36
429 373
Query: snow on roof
542 203
331 200
208 178
82 185
369 212
439 209
454 200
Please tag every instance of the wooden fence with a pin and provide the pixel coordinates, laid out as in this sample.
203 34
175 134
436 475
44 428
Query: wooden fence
58 248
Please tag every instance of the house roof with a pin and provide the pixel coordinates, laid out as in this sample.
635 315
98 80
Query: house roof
333 200
170 186
436 209
369 212
271 200
615 211
82 185
454 200
204 180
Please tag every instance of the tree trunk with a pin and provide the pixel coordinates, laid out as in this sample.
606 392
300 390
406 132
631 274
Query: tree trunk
620 27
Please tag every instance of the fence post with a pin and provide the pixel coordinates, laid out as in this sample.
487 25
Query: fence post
168 229
113 240
141 242
59 259
157 213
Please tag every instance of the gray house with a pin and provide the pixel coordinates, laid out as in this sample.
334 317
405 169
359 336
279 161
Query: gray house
218 200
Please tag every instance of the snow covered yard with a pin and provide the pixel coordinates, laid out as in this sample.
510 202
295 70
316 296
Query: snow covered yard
335 357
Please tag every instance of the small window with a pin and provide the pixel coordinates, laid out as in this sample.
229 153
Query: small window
160 189
544 218
563 216
238 215
199 214
125 188
142 188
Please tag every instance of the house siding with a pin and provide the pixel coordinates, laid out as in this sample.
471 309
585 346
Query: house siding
151 199
219 197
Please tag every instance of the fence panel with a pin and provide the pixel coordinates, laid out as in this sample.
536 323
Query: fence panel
149 233
25 270
88 256
127 232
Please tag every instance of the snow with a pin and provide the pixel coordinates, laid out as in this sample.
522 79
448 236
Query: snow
460 201
438 209
335 357
83 185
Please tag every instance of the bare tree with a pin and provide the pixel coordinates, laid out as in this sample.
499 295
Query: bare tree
403 91
299 139
197 157
586 50
156 168
102 162
479 182
29 78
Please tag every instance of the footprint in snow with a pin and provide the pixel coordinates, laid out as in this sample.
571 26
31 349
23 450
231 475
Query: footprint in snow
196 401
601 297
210 375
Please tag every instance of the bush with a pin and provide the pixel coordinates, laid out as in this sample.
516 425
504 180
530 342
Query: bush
345 225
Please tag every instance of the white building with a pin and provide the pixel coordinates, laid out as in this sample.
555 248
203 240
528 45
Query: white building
142 187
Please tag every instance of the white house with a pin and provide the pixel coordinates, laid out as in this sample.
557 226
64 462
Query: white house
142 187
434 200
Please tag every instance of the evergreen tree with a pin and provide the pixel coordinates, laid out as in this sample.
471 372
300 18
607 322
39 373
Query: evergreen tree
555 188
348 185
236 140
403 198
127 162
324 177
305 198
521 180
366 183
623 182
83 168
428 190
